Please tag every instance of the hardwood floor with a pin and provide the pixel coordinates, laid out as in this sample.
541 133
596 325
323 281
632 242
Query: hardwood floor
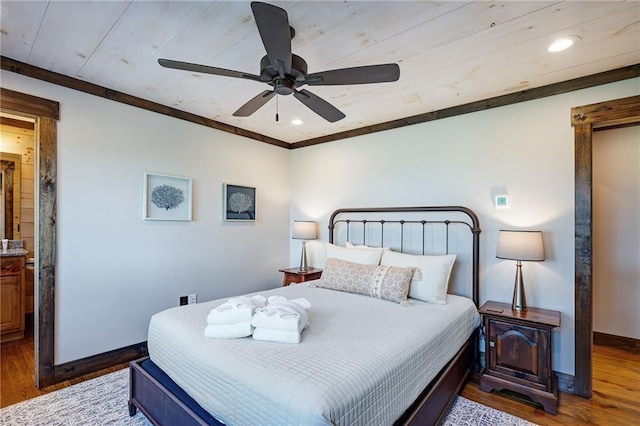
17 367
616 397
615 401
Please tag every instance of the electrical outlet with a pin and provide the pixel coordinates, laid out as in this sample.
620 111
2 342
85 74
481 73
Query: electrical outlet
184 300
193 298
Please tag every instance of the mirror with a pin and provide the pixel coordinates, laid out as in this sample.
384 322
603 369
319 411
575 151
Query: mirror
10 198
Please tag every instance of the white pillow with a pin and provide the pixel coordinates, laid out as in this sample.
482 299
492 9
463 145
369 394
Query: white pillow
351 245
433 281
366 256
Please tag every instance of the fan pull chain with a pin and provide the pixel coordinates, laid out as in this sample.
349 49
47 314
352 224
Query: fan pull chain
277 116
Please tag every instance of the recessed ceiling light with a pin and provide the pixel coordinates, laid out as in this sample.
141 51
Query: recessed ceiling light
563 43
297 122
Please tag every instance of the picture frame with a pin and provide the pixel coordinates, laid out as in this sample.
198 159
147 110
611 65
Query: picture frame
166 197
239 203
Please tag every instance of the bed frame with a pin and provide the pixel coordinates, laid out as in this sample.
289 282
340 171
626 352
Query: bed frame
166 404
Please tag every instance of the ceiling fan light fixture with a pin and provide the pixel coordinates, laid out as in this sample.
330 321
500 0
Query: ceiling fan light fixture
563 43
286 72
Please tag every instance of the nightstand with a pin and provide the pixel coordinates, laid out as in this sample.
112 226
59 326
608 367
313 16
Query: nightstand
295 276
519 349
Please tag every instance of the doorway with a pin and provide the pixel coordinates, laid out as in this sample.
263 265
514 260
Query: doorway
616 237
45 114
17 160
584 119
18 145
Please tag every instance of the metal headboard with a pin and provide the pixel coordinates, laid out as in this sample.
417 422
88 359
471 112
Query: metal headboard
472 224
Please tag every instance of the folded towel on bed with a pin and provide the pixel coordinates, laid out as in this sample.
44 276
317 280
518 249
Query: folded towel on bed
236 310
281 336
229 331
283 314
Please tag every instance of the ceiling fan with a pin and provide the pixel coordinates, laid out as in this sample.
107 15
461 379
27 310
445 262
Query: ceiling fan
286 72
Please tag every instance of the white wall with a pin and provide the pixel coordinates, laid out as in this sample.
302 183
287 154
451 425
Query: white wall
526 149
114 269
616 232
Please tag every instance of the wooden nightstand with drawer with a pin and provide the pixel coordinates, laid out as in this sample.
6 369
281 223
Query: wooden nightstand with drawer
519 349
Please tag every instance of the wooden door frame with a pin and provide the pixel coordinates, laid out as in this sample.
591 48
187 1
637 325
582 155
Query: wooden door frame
46 113
586 119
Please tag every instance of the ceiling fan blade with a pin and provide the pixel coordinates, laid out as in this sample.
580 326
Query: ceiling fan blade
273 26
254 104
186 66
356 75
318 105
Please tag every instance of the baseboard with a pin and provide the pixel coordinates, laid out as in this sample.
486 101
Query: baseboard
99 362
566 382
618 342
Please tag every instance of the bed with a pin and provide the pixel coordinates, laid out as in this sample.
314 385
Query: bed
353 366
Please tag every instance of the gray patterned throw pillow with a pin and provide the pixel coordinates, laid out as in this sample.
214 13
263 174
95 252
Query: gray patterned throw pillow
383 282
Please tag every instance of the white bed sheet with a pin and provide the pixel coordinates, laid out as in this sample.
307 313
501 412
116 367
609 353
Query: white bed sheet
361 361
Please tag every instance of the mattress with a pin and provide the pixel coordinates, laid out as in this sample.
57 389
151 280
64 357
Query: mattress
361 361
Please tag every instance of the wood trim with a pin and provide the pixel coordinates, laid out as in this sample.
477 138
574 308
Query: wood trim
113 95
618 342
583 269
585 119
98 362
631 71
46 113
47 237
566 382
611 76
20 124
608 113
32 105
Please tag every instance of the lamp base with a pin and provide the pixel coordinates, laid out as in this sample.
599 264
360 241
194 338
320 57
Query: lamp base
303 258
519 302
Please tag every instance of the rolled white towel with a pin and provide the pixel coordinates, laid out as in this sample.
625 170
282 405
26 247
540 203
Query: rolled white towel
229 331
273 299
282 314
301 301
259 301
235 310
281 336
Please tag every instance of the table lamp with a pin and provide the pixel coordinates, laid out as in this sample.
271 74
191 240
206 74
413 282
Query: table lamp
521 246
304 230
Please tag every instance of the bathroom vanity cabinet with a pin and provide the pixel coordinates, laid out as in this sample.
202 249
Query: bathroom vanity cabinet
12 297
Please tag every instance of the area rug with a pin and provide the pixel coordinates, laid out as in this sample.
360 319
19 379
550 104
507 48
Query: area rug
103 401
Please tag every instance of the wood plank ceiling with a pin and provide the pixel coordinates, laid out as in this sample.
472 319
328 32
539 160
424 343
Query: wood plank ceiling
450 52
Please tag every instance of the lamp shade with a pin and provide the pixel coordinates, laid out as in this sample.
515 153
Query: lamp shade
304 230
520 245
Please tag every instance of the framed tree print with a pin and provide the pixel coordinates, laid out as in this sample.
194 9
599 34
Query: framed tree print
166 197
239 203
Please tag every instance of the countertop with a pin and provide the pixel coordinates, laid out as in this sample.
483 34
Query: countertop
14 252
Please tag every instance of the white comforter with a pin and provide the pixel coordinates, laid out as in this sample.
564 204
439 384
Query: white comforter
361 361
